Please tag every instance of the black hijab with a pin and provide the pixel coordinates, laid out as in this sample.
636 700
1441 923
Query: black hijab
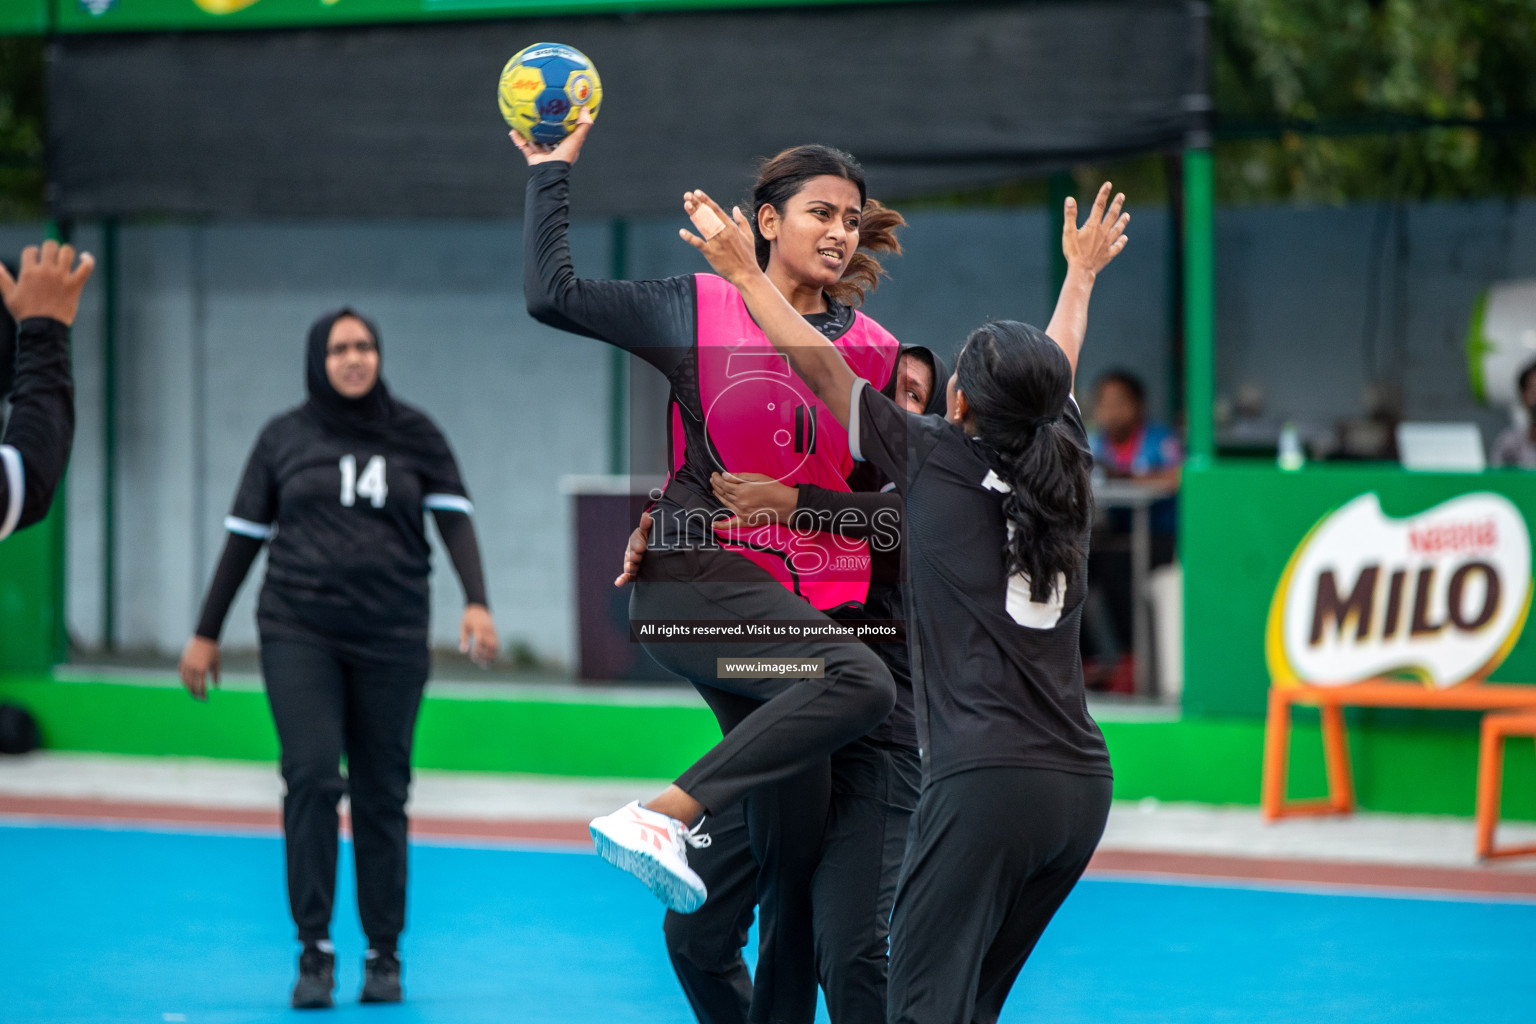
936 402
375 417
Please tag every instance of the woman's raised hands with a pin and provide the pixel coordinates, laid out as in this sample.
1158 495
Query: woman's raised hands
1098 241
568 149
727 238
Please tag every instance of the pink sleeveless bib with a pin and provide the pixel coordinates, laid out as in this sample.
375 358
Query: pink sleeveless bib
760 417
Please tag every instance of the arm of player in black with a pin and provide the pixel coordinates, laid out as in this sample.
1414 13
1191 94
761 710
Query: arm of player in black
1088 250
235 562
653 319
477 630
458 532
250 524
855 514
35 448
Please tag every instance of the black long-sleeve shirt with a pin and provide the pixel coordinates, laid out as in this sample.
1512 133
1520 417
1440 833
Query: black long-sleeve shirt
998 676
34 450
349 559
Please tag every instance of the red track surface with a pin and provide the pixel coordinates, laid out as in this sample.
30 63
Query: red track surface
574 833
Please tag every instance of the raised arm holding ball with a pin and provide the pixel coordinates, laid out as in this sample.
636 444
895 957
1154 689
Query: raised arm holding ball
767 787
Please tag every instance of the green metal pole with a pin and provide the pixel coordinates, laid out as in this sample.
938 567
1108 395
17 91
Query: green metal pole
1200 303
58 520
618 366
109 433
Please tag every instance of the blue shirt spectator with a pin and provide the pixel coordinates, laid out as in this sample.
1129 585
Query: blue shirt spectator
1127 446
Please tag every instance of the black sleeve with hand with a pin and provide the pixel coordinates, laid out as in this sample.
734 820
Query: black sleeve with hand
239 552
851 514
458 533
655 320
41 427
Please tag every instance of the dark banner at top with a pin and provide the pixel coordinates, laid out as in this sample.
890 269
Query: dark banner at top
402 121
193 15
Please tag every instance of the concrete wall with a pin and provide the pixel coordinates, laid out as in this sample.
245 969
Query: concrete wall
212 322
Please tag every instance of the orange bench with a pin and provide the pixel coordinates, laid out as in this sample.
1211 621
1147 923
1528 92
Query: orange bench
1490 776
1331 701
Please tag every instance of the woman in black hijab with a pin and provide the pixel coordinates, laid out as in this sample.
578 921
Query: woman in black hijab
340 486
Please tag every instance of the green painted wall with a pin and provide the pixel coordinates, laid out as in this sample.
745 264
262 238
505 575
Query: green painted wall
32 595
1418 769
1239 523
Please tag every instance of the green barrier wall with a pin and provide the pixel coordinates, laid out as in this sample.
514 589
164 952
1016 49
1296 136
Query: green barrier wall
1410 770
1239 524
32 596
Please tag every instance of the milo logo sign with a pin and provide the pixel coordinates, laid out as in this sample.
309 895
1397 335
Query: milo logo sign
1440 596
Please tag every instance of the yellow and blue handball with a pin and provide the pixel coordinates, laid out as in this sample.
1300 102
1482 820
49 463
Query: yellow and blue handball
543 89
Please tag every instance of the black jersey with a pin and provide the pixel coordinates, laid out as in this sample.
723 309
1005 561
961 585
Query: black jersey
998 678
35 446
349 556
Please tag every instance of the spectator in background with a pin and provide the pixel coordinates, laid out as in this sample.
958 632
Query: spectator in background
1516 447
1126 446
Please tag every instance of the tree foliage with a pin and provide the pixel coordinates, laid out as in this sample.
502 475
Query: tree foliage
1370 75
21 128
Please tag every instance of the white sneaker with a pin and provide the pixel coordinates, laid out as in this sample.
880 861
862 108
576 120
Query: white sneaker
653 848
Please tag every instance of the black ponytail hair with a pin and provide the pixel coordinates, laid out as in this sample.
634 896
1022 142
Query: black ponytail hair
1017 382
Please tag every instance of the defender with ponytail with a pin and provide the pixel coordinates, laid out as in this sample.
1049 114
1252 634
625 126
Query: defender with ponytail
1017 382
1016 776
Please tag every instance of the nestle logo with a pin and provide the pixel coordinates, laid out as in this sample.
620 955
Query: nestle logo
1444 537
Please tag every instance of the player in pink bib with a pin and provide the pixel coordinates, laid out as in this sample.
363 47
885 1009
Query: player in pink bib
736 407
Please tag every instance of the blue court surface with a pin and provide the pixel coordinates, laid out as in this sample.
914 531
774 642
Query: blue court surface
127 925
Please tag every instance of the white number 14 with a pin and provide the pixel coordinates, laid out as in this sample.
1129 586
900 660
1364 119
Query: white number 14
372 484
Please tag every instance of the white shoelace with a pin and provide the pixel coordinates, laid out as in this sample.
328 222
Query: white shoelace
696 839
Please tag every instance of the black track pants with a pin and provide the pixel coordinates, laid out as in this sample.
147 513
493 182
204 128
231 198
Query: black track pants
993 853
326 704
874 793
763 853
874 789
800 721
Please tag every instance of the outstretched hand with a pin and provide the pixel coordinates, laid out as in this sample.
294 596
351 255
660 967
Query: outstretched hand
1101 239
755 499
727 241
568 149
49 284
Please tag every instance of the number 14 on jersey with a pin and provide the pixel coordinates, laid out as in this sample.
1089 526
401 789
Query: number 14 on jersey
371 485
